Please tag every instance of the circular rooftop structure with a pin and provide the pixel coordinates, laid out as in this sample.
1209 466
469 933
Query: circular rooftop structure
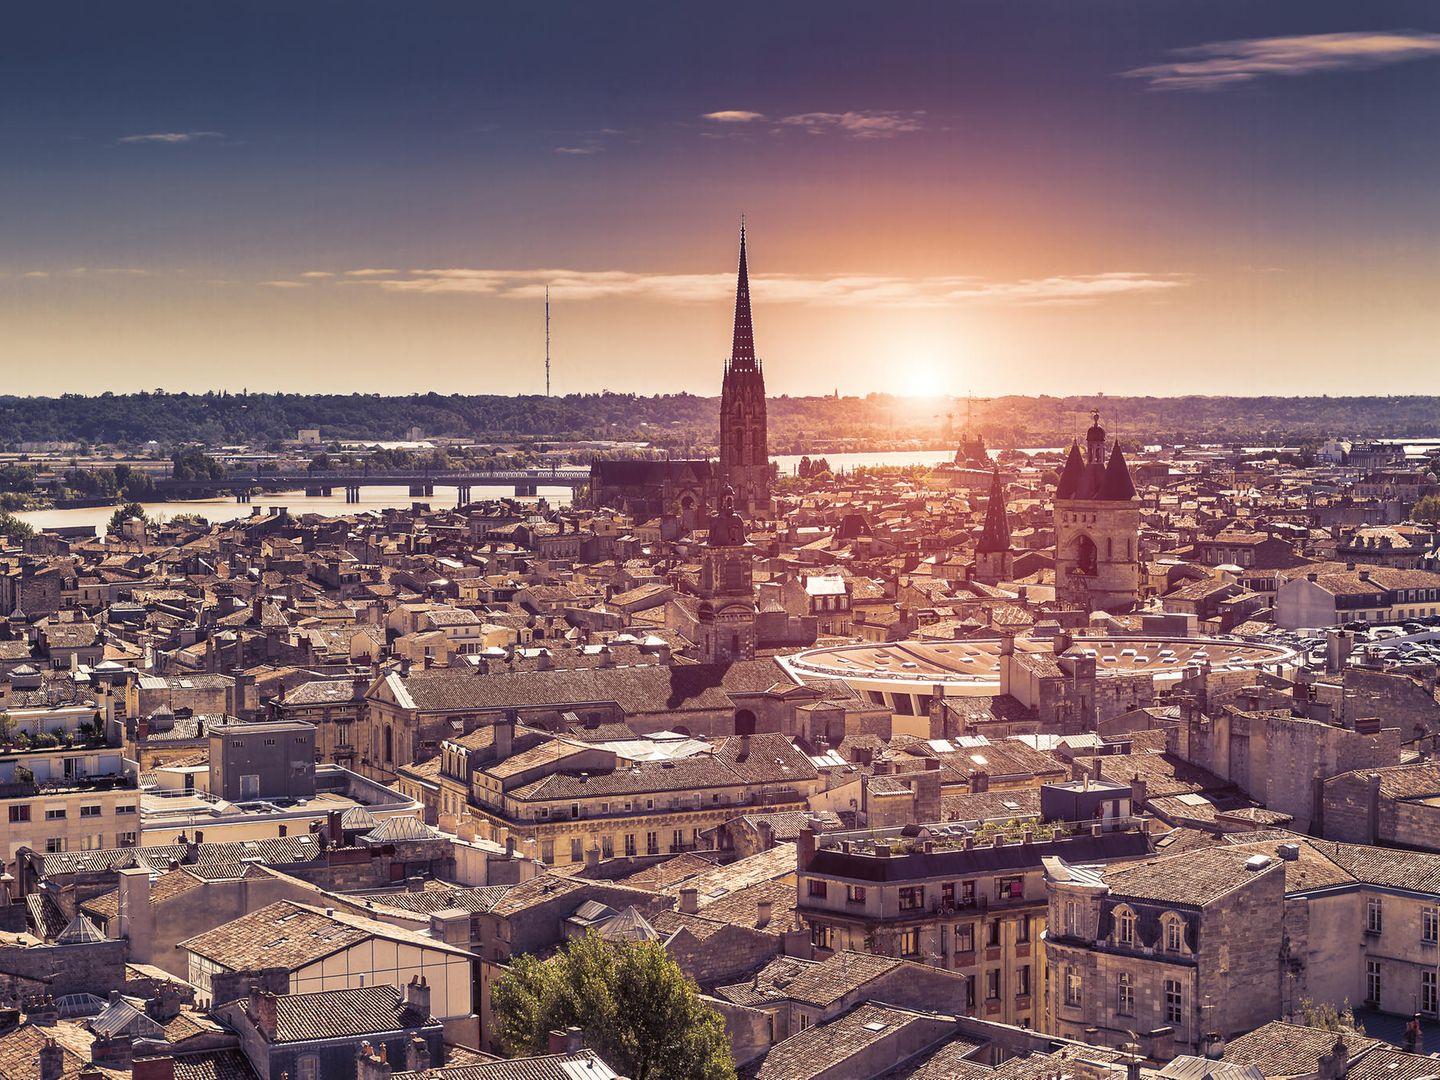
973 667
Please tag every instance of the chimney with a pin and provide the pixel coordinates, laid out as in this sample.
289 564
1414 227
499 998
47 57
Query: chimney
370 1064
504 737
592 856
762 914
417 1055
1137 793
689 901
417 994
262 1012
52 1061
335 827
805 847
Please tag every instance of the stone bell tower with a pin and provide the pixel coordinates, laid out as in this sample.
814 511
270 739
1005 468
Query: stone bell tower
727 611
1097 528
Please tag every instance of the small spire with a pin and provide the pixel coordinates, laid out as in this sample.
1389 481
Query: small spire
742 349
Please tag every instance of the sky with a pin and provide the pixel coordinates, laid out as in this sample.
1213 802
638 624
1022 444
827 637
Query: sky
959 196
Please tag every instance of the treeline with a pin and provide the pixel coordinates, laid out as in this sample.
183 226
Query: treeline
685 421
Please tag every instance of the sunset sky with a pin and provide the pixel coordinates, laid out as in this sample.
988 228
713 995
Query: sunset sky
1058 197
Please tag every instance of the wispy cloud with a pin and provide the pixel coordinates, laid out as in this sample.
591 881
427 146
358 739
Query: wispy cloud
579 151
284 284
861 124
734 116
857 123
838 291
172 137
1221 64
317 274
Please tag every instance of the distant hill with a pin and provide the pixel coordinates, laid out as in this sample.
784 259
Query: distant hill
684 421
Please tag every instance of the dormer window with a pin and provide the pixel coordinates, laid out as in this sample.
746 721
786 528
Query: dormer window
1174 932
1124 926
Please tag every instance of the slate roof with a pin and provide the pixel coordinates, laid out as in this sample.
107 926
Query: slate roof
1281 1049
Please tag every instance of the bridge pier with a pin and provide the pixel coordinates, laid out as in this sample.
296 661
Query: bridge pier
417 489
352 493
527 487
243 496
462 494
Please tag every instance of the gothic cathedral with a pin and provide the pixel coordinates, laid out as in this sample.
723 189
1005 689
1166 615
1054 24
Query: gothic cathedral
1097 528
744 451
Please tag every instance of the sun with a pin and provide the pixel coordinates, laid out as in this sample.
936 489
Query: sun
920 377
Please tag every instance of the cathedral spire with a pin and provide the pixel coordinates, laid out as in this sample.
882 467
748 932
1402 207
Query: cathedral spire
995 536
742 351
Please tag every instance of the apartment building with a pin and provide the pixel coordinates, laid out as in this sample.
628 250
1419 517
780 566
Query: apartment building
969 898
68 799
558 797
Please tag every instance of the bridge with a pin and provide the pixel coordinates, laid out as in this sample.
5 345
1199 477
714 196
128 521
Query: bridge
420 483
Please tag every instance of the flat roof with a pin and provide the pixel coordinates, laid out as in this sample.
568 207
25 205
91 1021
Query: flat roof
976 662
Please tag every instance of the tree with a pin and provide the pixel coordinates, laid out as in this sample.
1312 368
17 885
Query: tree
636 1007
14 528
123 514
1326 1016
1427 509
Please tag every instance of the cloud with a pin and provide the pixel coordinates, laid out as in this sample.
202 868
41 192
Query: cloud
579 151
370 273
172 137
837 291
1221 64
861 124
734 116
317 274
285 284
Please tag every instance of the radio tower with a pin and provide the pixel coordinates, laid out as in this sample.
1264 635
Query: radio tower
547 340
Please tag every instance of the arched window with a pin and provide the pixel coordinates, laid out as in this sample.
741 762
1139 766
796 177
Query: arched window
1174 931
1124 926
1086 557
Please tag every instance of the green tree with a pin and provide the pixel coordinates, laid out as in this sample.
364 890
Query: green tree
14 528
1324 1015
636 1007
125 513
1427 509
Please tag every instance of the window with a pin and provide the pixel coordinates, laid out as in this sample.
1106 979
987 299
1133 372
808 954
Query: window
1174 934
992 934
912 897
89 811
1010 888
125 808
1174 1001
854 894
630 843
1072 987
909 942
965 937
1430 925
607 846
1373 915
1429 995
677 840
125 839
1022 981
308 1067
577 850
1372 982
1022 932
1125 994
992 984
816 888
652 843
54 845
1072 918
969 991
547 852
55 815
1125 926
822 936
19 813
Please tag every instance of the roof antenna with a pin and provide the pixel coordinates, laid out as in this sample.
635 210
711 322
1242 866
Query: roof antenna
547 341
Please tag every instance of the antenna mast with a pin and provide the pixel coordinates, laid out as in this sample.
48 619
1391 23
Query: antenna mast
547 340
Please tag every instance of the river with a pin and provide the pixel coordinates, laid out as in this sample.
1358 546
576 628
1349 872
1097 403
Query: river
381 498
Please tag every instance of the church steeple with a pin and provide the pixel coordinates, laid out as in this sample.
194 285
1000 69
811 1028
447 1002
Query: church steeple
742 348
995 536
744 446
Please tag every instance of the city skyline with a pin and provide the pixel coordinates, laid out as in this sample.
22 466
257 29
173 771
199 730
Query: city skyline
989 198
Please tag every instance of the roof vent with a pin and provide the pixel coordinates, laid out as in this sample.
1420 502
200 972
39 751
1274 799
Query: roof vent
1288 852
1257 862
